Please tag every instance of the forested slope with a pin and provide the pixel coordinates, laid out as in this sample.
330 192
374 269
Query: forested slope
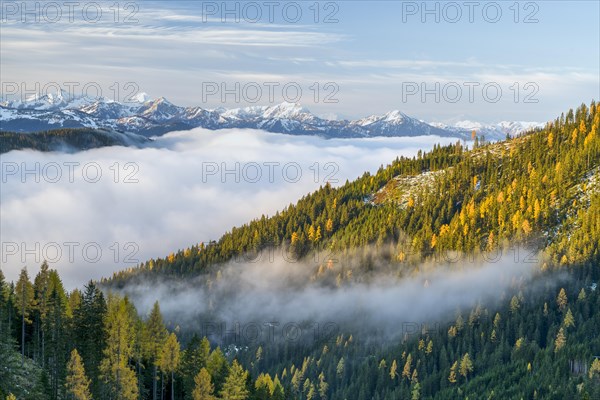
540 188
67 139
541 341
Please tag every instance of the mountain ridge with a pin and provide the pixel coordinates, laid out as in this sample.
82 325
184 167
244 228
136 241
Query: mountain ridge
68 140
158 116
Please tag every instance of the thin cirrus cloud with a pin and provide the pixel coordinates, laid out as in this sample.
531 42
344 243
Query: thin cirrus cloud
174 204
173 47
188 36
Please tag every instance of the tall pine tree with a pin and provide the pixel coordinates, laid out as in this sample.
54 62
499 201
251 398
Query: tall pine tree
119 379
169 359
157 335
77 383
234 387
25 302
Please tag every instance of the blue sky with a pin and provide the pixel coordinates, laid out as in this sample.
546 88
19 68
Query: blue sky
372 56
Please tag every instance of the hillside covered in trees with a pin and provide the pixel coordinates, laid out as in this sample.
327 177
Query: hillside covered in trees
67 139
539 191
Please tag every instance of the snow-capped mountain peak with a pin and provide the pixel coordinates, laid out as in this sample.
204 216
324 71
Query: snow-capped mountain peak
47 101
242 113
159 109
161 101
285 110
50 98
496 131
391 117
466 124
395 116
52 101
157 116
140 98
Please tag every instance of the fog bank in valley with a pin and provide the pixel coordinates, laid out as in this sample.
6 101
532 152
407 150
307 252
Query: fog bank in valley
132 204
276 296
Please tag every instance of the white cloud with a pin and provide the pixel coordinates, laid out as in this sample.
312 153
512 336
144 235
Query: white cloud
386 301
172 206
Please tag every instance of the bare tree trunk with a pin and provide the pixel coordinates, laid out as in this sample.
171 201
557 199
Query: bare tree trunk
23 327
43 347
118 363
37 349
172 385
56 345
139 377
154 384
23 340
162 386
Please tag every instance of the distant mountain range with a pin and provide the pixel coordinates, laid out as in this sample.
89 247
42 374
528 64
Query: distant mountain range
154 117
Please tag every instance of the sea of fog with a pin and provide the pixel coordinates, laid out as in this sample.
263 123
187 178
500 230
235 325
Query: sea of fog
94 212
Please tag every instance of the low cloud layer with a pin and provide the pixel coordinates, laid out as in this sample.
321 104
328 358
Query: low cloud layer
274 298
98 211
